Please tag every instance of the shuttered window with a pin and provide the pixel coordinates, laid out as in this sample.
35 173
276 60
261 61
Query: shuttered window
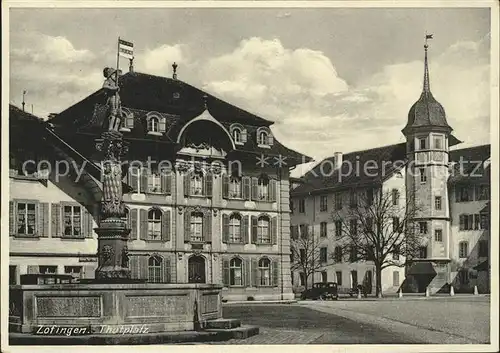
265 272
235 228
154 224
26 218
236 272
196 230
263 230
72 221
155 266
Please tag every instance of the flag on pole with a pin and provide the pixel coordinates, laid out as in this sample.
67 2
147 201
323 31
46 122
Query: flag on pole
125 49
428 36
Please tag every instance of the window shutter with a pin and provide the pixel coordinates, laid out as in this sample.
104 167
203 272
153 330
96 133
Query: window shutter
270 139
133 223
225 228
12 218
247 273
85 222
33 269
144 180
43 219
165 227
225 272
167 270
162 125
272 190
244 229
166 182
275 269
133 177
256 273
225 186
56 220
208 184
246 188
143 267
244 135
129 120
187 226
207 227
254 189
133 266
143 232
187 184
274 231
254 230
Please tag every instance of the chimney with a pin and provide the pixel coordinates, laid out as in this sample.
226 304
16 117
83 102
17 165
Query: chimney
338 159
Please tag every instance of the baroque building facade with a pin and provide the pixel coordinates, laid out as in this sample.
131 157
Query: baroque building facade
206 190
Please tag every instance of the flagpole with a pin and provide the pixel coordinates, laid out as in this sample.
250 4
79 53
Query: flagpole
117 61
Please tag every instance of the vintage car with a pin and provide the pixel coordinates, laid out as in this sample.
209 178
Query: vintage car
321 291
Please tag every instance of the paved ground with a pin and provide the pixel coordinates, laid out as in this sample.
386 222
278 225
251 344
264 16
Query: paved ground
448 320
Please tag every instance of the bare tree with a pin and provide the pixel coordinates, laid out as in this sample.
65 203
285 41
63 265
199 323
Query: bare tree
306 253
379 228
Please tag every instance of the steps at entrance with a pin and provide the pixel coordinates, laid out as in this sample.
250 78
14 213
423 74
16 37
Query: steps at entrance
223 324
239 333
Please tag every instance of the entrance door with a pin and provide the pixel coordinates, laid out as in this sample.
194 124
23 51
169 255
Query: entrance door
196 269
368 279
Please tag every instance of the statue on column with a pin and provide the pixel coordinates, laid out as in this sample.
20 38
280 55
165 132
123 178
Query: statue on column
113 98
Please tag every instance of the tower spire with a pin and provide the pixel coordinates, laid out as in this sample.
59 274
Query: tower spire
427 86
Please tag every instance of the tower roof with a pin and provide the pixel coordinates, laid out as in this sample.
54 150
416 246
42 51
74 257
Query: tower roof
427 111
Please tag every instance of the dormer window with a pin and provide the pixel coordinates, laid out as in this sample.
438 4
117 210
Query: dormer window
154 124
264 137
239 134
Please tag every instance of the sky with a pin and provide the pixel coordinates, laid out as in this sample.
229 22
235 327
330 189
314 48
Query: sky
332 79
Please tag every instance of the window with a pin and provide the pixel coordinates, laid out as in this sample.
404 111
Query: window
47 270
154 183
154 269
437 203
369 196
484 221
338 201
75 271
302 279
235 228
323 255
323 203
338 229
304 231
263 188
302 206
423 175
463 249
395 278
395 225
235 272
263 235
422 227
322 229
324 276
438 142
196 227
154 124
395 197
262 138
26 218
464 194
438 235
422 143
265 272
196 184
395 252
12 275
72 221
154 224
235 187
338 276
483 248
237 135
353 254
369 225
422 252
354 279
353 226
482 192
337 254
472 221
353 202
302 255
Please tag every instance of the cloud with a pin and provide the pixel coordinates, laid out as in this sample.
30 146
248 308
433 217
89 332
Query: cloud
159 60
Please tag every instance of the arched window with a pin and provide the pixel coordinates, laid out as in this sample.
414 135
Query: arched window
235 228
154 124
154 224
265 271
235 186
196 226
463 249
235 272
237 135
263 187
263 235
155 269
262 138
197 184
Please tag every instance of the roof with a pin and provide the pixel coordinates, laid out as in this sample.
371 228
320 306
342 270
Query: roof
469 166
385 160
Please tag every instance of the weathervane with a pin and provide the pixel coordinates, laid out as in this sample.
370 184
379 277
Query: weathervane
427 37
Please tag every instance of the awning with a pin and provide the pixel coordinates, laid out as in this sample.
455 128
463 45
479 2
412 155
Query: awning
483 266
421 268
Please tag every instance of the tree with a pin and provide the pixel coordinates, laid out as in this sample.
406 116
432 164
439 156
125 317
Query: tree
306 253
379 227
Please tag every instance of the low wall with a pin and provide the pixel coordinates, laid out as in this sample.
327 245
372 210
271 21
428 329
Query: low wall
107 308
